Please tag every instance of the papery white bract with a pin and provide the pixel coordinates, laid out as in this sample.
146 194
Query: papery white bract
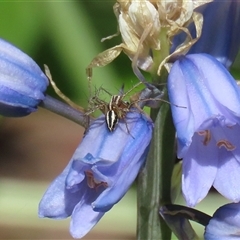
140 24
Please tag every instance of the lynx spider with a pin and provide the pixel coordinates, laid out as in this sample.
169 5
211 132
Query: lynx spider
117 108
114 111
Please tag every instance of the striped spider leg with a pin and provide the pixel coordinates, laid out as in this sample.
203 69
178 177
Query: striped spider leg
150 97
94 104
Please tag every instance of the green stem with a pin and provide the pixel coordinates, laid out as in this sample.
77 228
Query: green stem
65 110
154 182
187 213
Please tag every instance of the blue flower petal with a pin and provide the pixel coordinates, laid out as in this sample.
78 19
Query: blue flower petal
220 36
228 175
58 202
83 216
225 223
120 186
199 170
192 84
20 105
22 82
214 74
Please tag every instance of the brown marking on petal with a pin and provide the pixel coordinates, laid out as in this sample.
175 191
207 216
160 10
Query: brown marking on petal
207 136
92 183
237 233
225 143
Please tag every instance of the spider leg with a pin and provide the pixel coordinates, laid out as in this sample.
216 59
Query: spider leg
58 91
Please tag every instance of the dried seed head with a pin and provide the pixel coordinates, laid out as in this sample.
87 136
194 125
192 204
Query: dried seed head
141 23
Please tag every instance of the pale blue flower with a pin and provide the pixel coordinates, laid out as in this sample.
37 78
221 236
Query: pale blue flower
225 223
100 172
22 83
207 125
221 31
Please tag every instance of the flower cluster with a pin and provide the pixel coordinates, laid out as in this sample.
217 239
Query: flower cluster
208 123
205 104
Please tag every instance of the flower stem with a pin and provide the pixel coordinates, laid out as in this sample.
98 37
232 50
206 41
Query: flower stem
64 110
154 182
187 213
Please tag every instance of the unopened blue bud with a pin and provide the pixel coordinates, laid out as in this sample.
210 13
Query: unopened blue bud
22 83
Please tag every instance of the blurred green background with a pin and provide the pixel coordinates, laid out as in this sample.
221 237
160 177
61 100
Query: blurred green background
65 35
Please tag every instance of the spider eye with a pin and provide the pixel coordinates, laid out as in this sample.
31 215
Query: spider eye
111 119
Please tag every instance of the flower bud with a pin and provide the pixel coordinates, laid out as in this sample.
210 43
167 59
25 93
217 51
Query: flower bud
22 83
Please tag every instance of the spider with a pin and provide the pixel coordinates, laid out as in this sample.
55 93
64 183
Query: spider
116 109
113 110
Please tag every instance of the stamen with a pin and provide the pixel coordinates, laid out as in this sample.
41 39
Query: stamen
225 143
207 136
92 183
